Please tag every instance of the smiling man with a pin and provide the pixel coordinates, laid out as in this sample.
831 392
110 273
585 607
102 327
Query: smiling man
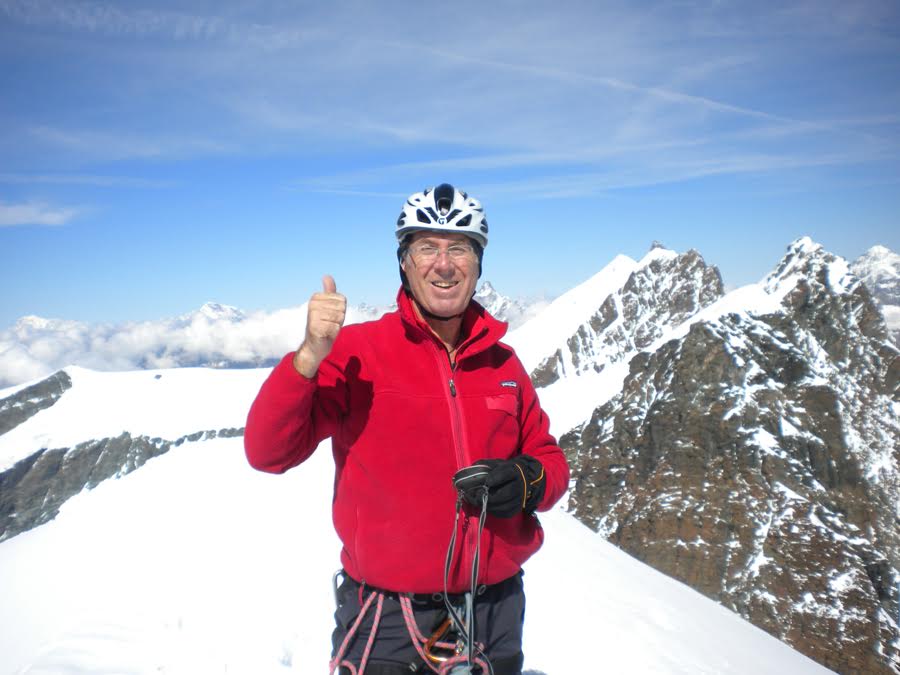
442 456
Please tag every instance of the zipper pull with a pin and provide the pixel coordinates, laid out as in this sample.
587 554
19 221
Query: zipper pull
452 388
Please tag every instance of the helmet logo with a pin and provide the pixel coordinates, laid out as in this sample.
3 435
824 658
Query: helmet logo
442 221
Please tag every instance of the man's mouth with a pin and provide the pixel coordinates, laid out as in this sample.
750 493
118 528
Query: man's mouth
444 284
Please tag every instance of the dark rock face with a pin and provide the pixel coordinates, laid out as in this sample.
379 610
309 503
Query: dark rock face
31 400
656 297
32 490
757 459
549 371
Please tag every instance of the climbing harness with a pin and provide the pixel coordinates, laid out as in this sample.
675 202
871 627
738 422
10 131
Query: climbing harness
460 657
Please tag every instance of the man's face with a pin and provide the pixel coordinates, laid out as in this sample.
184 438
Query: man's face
444 284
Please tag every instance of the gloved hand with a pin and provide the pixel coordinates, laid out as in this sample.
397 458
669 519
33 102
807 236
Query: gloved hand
514 485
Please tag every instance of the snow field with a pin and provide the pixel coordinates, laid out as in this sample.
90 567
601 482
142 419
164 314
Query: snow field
198 564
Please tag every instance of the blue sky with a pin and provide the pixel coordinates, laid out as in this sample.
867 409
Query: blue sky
155 156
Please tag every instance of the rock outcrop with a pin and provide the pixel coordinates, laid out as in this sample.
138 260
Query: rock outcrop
29 401
34 488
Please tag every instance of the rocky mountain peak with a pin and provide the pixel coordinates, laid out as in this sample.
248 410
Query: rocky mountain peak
663 290
808 259
756 457
879 262
213 311
879 270
500 306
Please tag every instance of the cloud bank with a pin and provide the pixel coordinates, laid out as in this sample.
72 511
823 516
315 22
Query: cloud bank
214 336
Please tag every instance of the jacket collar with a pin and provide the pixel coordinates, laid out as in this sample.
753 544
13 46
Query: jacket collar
479 329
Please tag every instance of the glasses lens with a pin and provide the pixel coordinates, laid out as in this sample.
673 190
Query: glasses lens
429 253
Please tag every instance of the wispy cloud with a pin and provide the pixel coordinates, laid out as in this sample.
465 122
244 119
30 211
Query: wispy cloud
598 88
500 161
111 19
83 179
593 171
586 184
578 78
35 213
115 146
363 193
114 20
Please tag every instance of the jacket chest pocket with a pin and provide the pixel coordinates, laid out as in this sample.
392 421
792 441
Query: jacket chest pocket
508 403
494 431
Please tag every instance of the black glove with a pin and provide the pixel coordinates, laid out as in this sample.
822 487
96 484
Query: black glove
514 485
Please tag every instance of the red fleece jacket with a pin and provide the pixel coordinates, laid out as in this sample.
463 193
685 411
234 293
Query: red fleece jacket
402 422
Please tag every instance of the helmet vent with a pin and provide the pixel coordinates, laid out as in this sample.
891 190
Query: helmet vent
464 222
443 197
423 217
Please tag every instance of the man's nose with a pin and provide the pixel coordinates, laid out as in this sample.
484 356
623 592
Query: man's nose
443 262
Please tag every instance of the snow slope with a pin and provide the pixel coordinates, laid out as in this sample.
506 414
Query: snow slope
538 338
195 563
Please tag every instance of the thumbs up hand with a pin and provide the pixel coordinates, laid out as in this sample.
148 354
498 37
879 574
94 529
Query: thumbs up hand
325 317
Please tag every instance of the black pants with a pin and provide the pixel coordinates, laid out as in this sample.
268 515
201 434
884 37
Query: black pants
499 614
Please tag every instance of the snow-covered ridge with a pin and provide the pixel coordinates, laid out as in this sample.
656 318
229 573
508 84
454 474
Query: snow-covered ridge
155 403
195 564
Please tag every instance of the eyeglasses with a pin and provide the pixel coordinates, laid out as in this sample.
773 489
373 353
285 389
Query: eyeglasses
427 253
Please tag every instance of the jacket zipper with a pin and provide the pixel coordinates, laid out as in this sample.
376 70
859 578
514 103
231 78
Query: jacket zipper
448 369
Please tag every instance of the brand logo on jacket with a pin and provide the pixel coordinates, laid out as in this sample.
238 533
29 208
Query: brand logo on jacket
509 383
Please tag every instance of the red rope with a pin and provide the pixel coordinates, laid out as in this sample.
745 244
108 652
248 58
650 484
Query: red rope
415 635
338 659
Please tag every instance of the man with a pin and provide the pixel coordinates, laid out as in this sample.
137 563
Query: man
409 400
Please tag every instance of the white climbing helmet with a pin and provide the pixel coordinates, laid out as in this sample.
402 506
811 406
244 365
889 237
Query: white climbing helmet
445 209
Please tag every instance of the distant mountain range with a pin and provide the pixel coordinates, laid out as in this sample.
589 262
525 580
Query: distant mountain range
214 336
